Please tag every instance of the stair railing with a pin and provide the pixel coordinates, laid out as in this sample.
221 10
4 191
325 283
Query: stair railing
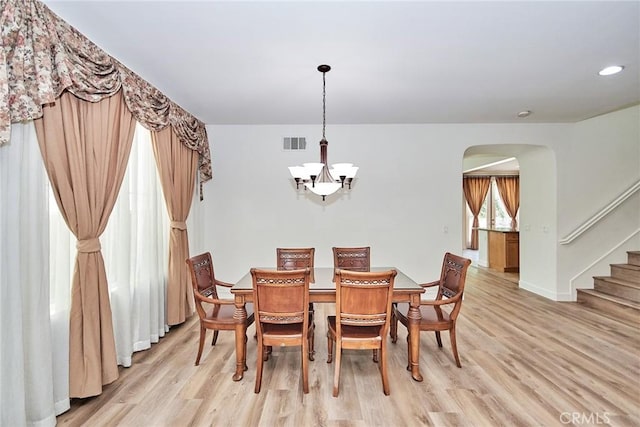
601 214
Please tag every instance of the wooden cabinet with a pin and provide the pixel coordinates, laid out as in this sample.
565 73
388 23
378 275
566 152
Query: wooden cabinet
504 250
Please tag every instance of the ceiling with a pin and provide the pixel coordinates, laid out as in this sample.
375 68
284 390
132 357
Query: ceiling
239 62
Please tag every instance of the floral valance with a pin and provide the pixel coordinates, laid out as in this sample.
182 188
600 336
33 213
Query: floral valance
41 56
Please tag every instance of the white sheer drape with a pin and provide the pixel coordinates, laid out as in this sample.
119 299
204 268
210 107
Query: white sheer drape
135 250
27 373
36 264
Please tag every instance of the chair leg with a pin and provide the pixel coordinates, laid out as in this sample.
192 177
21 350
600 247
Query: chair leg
393 326
329 348
408 352
260 359
383 369
215 337
312 340
244 362
438 338
375 355
266 353
203 333
336 373
305 366
454 347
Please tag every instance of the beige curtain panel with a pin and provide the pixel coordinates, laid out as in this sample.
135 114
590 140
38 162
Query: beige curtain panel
177 166
509 189
475 191
41 56
85 147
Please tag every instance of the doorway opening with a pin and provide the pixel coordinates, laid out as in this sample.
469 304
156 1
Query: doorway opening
491 212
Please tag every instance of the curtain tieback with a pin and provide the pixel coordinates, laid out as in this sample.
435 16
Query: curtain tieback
88 245
180 225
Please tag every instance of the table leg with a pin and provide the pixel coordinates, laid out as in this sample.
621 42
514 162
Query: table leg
240 315
414 316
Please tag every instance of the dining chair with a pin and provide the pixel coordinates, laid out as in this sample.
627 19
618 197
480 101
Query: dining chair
353 259
281 301
294 259
214 313
363 313
435 317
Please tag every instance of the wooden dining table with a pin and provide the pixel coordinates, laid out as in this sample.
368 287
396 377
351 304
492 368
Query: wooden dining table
323 289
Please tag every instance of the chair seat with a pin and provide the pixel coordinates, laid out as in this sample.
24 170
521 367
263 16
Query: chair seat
354 332
222 314
274 330
432 319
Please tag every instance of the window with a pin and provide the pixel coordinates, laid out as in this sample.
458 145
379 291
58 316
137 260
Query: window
493 213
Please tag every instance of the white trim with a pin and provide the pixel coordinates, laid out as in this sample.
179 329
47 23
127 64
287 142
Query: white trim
544 292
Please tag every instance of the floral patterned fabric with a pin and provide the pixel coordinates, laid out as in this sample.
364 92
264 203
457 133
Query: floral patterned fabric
41 56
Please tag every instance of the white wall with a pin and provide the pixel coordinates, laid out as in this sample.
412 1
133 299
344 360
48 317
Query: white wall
407 191
598 163
538 229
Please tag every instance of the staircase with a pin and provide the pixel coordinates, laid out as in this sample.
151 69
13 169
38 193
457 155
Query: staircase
617 296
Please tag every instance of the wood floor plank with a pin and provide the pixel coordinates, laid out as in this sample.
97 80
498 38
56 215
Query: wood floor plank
526 361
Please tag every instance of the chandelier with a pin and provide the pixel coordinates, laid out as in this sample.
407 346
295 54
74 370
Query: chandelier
317 177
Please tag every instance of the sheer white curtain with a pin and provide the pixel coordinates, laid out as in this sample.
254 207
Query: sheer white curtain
135 250
27 373
36 265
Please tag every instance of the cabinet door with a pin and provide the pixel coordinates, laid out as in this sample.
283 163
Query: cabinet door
496 250
512 251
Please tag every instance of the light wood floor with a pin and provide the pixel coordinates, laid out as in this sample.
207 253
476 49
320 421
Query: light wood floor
526 361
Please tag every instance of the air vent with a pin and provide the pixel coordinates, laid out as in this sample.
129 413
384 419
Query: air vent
294 143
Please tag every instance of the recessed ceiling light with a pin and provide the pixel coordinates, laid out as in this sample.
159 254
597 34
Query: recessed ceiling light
523 114
607 71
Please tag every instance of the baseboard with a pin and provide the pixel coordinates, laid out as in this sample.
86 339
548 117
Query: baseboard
546 293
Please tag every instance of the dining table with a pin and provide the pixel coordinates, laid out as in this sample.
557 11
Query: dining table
323 290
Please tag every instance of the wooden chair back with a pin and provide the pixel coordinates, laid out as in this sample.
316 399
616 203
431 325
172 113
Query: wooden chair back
295 259
281 297
203 280
364 298
353 259
452 280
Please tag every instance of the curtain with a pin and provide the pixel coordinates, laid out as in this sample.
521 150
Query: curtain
86 147
26 365
135 250
177 166
475 191
41 56
509 189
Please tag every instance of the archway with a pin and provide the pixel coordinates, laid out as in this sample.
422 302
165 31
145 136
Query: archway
538 210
